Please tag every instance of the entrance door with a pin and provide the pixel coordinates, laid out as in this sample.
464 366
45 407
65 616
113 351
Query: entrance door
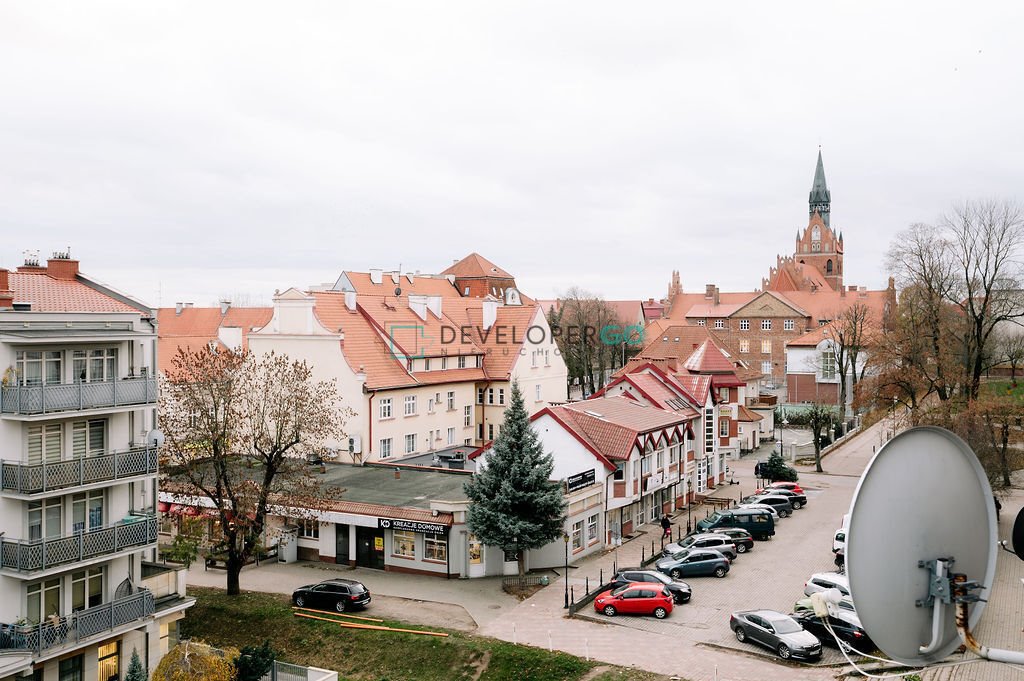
341 544
370 547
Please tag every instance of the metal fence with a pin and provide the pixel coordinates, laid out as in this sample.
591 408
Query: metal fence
511 583
44 399
41 554
284 671
44 477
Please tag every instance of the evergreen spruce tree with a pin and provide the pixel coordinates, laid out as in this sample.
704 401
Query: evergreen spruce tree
515 504
135 670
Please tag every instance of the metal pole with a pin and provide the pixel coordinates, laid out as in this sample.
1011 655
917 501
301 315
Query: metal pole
567 572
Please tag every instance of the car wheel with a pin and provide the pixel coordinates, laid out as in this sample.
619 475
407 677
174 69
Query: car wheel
783 514
741 635
300 601
686 598
339 606
797 505
660 613
720 571
675 574
609 610
784 651
741 548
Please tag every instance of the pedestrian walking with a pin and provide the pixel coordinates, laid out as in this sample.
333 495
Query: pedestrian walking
999 506
666 526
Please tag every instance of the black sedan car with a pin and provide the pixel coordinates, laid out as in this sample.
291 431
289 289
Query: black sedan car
332 594
847 629
776 631
680 591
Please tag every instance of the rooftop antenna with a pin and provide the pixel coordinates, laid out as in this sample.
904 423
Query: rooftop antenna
921 557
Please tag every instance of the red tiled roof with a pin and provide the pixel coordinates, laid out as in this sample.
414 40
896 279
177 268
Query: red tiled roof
47 294
420 285
708 359
682 302
195 327
475 265
748 415
615 424
660 393
811 338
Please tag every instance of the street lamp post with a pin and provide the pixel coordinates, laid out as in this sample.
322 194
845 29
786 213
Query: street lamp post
689 503
782 433
565 538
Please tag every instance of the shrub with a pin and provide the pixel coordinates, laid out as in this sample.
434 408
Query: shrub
254 661
194 661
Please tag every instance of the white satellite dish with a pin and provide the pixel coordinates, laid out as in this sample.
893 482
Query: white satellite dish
155 438
924 497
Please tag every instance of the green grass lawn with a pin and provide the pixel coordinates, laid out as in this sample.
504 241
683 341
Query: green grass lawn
1005 387
250 618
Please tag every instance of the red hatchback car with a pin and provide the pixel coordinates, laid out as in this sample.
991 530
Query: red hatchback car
791 486
636 598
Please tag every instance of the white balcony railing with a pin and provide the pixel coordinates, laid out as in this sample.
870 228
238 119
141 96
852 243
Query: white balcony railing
58 397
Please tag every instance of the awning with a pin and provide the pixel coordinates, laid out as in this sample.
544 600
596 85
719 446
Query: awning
175 509
163 506
191 511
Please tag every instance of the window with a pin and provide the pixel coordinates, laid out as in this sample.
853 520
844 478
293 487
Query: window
620 472
431 403
719 323
490 396
435 547
744 345
44 519
467 416
86 588
673 453
385 448
577 535
501 396
744 325
461 362
94 365
451 436
426 364
36 367
410 443
709 430
592 528
490 431
723 393
43 601
88 438
403 543
766 347
444 362
385 408
645 465
109 661
87 511
828 365
660 459
71 669
723 427
309 528
410 405
475 550
480 431
479 395
766 325
451 400
701 322
45 443
547 358
536 391
533 358
766 367
789 325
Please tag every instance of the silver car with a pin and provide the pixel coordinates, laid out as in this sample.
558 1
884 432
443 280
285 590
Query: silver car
776 631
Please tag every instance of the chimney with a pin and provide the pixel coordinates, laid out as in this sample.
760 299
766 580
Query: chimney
5 279
709 291
189 304
716 295
178 307
490 313
61 266
418 304
376 276
225 305
6 294
434 305
842 292
350 300
395 278
409 276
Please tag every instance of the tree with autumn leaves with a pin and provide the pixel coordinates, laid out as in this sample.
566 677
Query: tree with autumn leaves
238 430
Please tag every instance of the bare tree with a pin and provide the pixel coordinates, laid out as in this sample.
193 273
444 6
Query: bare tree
819 416
239 429
850 331
583 320
1011 350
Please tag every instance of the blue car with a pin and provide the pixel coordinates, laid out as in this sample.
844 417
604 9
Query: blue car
694 563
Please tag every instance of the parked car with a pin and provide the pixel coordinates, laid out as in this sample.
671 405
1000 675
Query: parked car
758 522
761 507
823 581
638 598
791 486
797 499
680 591
848 629
332 594
839 547
694 563
781 503
719 542
741 538
776 631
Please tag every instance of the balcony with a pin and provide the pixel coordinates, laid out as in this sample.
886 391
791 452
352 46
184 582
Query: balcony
28 557
60 397
79 626
47 477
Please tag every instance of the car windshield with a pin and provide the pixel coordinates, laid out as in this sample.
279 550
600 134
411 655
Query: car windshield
679 555
786 626
618 591
715 518
356 588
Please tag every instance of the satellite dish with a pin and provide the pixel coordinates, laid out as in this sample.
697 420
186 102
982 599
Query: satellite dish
398 291
923 497
155 438
1018 534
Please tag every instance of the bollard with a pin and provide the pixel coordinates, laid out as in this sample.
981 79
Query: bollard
572 594
550 647
662 541
600 575
586 647
652 547
642 554
587 583
515 638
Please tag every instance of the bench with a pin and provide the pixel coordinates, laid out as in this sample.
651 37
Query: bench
716 502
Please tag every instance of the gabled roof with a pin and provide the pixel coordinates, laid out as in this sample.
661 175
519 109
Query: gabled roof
658 389
708 359
197 327
475 266
747 415
614 425
766 297
424 285
681 303
811 338
49 294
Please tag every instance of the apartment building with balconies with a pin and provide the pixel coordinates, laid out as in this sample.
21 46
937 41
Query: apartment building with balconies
78 480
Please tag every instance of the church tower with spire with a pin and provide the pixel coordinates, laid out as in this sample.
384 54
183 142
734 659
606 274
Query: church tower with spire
820 200
818 245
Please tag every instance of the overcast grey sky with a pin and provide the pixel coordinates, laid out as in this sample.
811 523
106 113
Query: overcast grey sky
190 150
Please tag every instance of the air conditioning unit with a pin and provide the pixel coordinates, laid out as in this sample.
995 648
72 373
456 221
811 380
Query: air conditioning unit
355 444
